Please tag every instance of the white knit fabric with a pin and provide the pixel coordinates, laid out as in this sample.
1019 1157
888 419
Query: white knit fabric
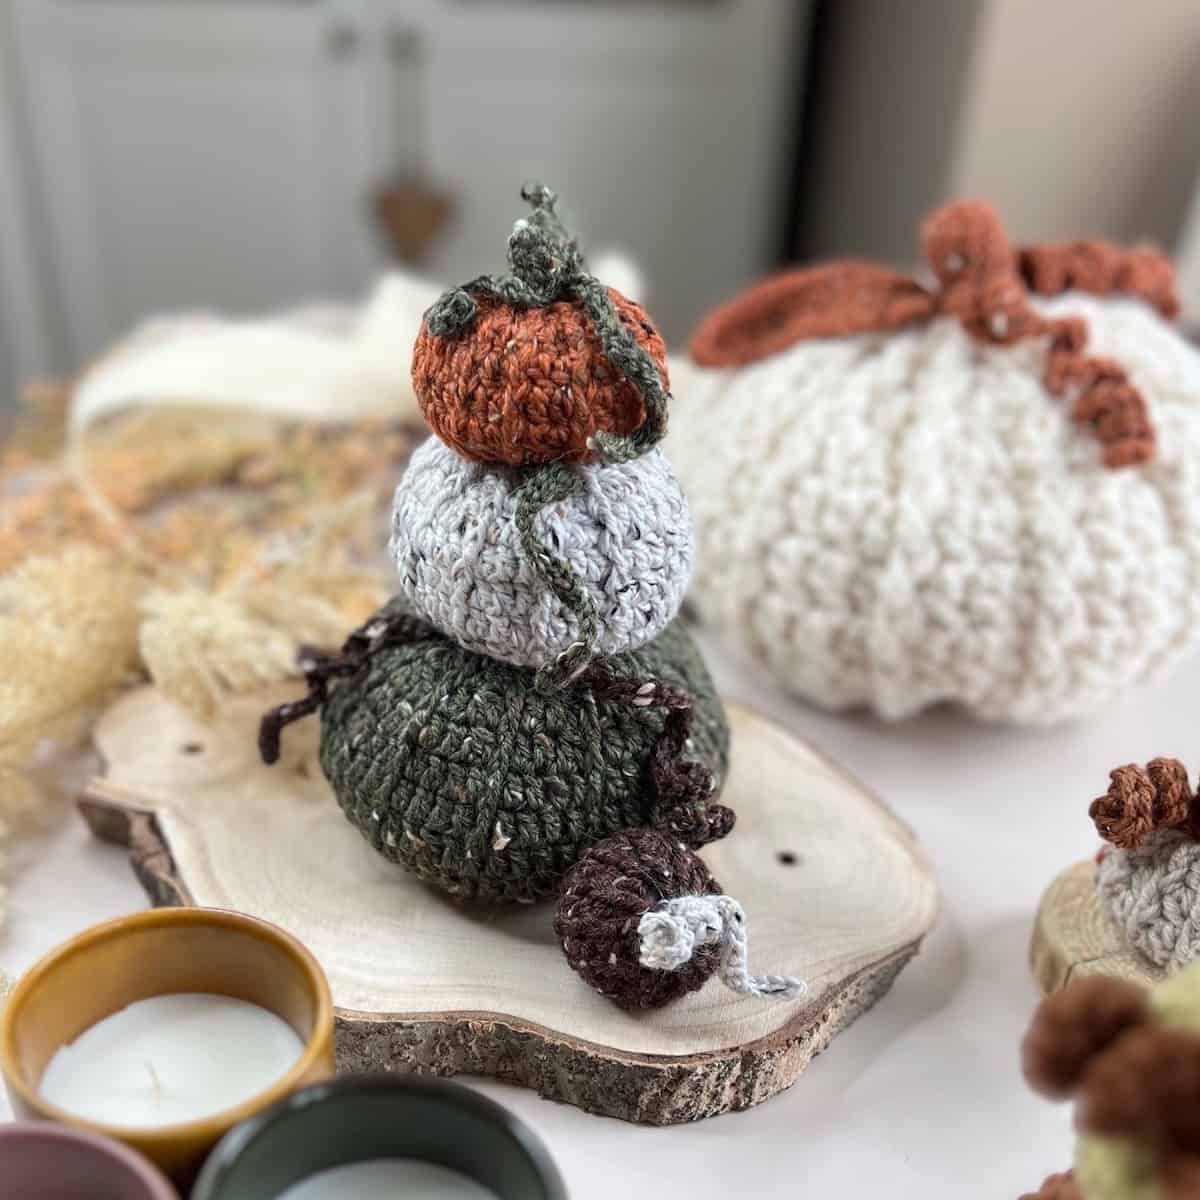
895 520
627 536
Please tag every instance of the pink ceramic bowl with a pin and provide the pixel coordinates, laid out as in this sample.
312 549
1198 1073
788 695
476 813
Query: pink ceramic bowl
42 1161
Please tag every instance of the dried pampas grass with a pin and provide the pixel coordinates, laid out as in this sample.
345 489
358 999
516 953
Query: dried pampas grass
68 640
202 550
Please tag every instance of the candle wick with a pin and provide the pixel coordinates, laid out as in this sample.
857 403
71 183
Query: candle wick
154 1079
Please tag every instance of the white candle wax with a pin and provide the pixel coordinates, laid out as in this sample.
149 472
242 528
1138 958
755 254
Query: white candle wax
170 1059
388 1179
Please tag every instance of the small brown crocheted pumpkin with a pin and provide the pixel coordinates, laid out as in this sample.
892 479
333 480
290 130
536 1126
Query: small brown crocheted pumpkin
530 385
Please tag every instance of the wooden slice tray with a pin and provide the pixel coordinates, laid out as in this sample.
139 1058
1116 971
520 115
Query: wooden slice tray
1073 936
836 891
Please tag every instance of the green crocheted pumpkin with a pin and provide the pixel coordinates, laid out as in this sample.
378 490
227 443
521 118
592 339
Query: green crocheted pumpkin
455 766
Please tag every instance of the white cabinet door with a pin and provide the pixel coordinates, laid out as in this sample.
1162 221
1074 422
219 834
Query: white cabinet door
211 154
663 127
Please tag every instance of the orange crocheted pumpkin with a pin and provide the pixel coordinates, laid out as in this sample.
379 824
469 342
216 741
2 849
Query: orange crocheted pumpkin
522 386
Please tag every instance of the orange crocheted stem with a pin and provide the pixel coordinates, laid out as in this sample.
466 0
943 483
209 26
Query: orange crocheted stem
833 300
1142 800
982 287
526 386
984 284
1103 269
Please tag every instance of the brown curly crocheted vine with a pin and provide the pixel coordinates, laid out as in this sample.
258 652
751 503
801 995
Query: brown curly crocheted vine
984 284
1141 800
1097 1039
683 787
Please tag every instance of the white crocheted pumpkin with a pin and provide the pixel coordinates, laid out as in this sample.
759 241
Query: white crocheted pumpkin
900 517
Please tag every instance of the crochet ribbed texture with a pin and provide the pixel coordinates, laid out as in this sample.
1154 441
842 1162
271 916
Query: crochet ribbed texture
626 534
455 766
895 520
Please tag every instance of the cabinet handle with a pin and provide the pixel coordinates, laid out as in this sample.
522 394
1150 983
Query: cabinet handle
342 41
404 44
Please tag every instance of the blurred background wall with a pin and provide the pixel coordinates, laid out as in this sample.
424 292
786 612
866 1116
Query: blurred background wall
248 155
1073 116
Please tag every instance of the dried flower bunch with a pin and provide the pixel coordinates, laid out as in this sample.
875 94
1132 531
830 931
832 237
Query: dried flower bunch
202 553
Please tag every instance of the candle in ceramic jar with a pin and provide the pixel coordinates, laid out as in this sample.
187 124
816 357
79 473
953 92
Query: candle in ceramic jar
171 1059
388 1179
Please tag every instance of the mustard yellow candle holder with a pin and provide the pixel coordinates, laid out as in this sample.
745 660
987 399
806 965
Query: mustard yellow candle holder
161 952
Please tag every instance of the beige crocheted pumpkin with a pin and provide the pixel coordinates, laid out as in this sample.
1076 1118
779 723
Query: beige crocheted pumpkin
968 492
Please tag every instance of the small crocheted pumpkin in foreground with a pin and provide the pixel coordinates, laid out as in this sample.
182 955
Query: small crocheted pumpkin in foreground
586 741
985 492
1131 1060
1148 877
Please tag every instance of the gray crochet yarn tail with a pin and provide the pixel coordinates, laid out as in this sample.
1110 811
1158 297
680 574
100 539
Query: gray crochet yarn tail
455 766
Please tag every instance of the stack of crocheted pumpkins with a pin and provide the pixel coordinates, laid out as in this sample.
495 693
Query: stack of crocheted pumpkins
527 718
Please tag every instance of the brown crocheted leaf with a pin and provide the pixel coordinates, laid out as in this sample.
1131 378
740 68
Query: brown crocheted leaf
527 386
832 300
1149 1078
1072 1026
1057 1187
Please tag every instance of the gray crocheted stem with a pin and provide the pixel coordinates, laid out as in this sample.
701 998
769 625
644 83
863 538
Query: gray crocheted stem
670 934
546 266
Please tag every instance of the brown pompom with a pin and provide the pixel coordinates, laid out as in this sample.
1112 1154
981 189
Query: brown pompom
1150 1078
1179 1175
1057 1187
1072 1026
527 386
604 898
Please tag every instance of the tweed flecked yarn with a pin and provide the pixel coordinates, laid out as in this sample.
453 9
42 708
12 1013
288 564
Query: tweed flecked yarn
604 898
453 765
626 534
543 364
529 385
897 520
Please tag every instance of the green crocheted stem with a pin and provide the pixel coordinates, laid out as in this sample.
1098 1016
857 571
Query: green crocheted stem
546 266
544 486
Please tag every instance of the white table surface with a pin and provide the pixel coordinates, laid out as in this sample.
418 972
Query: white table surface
922 1097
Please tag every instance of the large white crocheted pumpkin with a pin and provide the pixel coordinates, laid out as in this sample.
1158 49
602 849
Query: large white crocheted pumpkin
908 495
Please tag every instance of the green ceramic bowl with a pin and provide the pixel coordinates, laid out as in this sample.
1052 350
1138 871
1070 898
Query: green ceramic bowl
360 1117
